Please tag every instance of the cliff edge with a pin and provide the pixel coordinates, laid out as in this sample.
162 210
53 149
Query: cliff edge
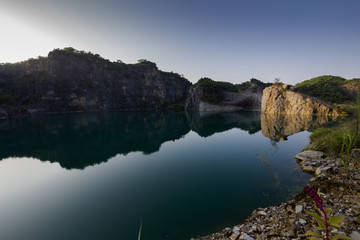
69 80
279 99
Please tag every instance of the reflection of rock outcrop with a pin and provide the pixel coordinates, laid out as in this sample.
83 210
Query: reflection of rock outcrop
279 126
279 99
77 141
207 124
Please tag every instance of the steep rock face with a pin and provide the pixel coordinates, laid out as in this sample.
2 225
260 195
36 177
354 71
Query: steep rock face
76 81
232 101
279 99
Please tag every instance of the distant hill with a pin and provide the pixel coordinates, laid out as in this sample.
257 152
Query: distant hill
214 91
329 88
209 95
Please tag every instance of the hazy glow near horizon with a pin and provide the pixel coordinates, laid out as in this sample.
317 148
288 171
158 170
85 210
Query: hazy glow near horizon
20 41
227 41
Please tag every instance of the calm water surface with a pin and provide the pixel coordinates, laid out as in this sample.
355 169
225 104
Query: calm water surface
94 176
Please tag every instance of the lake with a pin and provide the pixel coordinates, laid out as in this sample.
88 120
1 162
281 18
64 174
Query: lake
99 175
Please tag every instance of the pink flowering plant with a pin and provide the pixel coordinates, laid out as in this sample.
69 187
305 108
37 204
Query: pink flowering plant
323 221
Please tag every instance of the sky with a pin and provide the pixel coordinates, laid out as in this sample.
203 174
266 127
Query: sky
226 40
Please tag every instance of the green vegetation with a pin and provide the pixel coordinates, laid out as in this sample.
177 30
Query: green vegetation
327 88
254 84
7 99
324 221
329 140
213 91
340 141
180 107
213 86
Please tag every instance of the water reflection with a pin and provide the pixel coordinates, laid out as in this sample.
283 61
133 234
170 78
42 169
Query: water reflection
210 123
278 127
80 140
173 189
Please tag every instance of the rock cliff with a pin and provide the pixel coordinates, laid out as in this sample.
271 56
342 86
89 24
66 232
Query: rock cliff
69 80
211 96
279 99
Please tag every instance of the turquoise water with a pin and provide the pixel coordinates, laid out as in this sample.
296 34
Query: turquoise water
96 175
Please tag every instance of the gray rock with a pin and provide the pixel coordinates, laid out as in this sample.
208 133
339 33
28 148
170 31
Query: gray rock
308 168
244 236
302 221
321 170
236 230
309 155
262 213
298 208
355 236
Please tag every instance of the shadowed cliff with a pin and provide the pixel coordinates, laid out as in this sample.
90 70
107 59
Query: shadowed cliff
68 80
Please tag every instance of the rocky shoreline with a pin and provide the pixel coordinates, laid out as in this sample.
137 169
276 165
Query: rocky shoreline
290 220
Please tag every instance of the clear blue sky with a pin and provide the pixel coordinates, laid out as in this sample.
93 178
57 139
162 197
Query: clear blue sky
226 40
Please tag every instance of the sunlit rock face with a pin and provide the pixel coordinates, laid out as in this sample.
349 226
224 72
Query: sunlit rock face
278 127
279 99
69 80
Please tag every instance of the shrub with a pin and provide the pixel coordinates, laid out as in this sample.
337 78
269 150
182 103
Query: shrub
327 88
213 91
7 99
327 140
330 140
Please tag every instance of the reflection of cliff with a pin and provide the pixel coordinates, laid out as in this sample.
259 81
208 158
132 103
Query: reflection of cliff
77 141
207 124
80 140
280 126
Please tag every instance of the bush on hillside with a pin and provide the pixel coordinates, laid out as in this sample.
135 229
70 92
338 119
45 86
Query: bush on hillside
213 91
326 88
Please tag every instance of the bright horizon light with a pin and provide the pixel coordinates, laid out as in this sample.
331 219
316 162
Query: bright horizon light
21 41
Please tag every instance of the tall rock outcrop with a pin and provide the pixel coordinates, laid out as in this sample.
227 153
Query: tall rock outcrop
69 80
279 99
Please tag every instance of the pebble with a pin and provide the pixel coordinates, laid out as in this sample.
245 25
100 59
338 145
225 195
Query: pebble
355 235
262 213
302 221
298 209
244 236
